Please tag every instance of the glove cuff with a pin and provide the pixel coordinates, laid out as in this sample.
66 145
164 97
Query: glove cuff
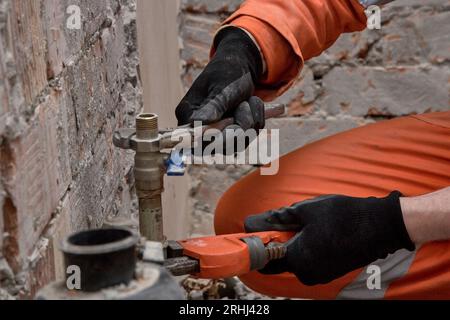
381 220
401 238
233 40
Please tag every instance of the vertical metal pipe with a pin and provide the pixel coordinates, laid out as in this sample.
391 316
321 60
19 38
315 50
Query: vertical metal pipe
151 218
149 176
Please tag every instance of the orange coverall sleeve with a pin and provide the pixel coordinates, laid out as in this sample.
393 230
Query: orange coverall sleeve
290 32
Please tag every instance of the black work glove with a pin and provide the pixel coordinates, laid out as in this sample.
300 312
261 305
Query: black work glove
337 235
225 88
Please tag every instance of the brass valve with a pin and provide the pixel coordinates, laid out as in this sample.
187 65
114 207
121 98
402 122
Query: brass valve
149 171
155 157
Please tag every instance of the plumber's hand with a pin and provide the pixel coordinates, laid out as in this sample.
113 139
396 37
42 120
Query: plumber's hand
226 86
337 235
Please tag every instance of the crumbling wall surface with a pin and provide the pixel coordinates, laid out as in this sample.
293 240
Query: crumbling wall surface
64 89
401 69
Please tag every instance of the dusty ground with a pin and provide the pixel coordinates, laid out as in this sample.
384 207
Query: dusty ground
198 289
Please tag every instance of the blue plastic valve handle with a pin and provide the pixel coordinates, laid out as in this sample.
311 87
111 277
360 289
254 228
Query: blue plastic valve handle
175 164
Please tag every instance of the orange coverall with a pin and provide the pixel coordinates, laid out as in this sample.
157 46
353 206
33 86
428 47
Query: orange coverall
410 154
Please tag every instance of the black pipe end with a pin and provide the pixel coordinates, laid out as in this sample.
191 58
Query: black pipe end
105 258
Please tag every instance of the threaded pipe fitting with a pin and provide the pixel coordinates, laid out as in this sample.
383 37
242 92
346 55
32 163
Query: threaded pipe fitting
275 251
147 126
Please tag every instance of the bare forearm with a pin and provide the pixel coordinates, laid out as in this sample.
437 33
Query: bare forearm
427 217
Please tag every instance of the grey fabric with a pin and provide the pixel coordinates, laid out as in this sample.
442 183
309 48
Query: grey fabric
394 267
368 3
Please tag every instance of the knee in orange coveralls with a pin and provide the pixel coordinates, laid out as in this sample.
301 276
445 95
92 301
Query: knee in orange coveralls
410 154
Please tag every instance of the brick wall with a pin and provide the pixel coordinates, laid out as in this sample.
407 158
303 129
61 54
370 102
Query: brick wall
63 92
365 77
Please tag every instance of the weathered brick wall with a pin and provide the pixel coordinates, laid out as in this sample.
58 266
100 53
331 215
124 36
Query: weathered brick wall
63 93
365 77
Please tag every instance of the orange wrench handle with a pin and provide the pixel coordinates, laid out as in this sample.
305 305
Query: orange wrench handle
228 255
